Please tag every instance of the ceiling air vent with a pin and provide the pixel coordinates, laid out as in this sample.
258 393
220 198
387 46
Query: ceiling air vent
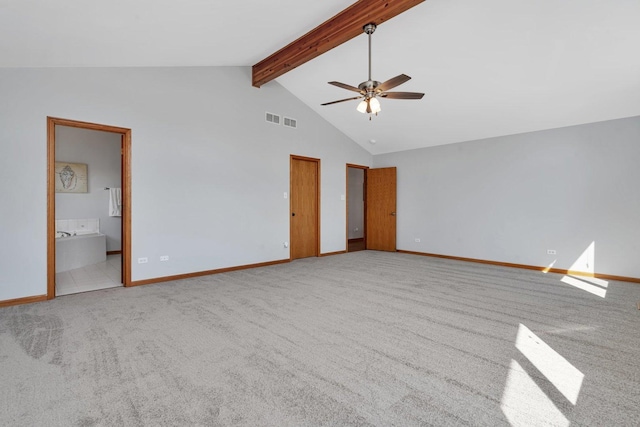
290 123
273 118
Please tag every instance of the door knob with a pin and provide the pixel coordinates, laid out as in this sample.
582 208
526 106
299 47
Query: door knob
393 213
293 214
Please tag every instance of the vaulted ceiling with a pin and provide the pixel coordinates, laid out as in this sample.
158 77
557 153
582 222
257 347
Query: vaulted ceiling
489 68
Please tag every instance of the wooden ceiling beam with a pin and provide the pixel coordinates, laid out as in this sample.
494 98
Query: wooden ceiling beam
332 33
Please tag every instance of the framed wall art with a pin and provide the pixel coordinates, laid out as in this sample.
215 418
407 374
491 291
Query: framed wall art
71 177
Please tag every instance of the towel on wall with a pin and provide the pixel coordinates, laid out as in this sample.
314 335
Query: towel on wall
115 202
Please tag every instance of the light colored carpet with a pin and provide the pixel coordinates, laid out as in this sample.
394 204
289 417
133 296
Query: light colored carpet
365 338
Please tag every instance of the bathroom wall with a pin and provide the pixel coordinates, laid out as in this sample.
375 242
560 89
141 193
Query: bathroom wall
356 203
100 151
208 172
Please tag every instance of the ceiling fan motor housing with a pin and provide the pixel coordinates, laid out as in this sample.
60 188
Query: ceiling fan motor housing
369 87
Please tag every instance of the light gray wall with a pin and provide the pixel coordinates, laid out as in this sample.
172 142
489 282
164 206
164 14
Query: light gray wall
208 173
101 152
356 203
509 199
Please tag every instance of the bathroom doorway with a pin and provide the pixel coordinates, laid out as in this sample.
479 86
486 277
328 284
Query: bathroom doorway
356 207
88 206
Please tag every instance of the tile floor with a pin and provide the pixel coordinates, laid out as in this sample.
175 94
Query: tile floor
90 278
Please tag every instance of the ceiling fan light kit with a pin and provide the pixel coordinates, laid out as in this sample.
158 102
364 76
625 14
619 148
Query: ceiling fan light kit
371 90
371 106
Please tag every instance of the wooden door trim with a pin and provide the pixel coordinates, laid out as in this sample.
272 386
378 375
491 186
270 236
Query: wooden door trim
293 157
52 122
364 189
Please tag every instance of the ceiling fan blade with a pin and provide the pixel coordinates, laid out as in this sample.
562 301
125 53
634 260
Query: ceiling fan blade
402 95
391 83
341 100
346 86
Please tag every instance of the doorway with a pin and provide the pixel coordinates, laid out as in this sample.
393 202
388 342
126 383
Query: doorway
356 208
83 236
304 212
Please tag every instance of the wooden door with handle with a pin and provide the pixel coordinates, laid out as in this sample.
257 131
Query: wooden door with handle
381 209
305 207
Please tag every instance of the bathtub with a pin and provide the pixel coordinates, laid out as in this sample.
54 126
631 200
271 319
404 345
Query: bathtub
81 250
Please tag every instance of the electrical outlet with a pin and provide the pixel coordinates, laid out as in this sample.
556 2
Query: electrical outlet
417 240
551 251
143 260
164 258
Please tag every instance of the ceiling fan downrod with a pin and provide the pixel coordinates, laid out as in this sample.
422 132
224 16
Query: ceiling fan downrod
369 87
369 29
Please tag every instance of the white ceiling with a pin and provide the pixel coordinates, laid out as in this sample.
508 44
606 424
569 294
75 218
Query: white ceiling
488 68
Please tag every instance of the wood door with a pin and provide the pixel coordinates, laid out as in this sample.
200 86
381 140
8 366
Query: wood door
305 207
381 209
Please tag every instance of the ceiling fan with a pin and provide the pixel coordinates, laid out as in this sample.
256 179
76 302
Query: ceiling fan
371 90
